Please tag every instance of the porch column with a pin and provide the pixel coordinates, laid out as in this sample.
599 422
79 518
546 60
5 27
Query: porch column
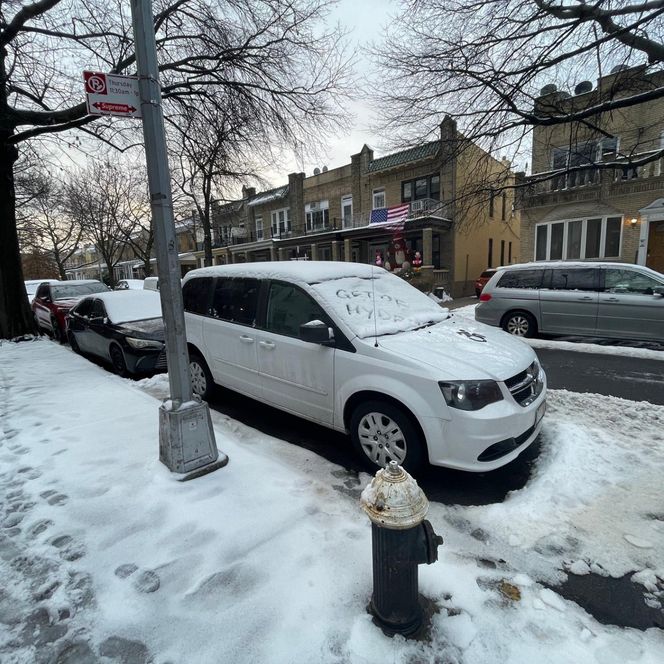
282 254
347 245
273 253
314 252
335 250
427 247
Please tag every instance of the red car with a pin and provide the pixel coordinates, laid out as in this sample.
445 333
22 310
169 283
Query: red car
53 301
480 282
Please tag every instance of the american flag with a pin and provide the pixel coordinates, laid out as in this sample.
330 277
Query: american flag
394 216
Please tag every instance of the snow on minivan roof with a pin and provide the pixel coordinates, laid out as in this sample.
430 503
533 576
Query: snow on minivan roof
130 305
368 299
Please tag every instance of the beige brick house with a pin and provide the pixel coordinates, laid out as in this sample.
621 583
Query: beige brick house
592 213
453 219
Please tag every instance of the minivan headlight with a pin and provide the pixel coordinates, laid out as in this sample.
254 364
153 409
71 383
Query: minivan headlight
144 343
470 394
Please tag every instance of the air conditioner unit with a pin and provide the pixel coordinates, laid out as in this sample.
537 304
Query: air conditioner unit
417 206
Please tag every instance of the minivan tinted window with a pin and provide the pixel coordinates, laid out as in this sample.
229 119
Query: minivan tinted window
236 300
196 295
521 279
289 307
583 279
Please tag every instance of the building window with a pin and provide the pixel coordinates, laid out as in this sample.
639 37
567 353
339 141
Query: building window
509 254
595 237
502 252
317 216
281 222
347 211
378 199
421 188
259 228
503 211
492 197
490 257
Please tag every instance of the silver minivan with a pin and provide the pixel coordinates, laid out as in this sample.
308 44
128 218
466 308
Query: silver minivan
615 300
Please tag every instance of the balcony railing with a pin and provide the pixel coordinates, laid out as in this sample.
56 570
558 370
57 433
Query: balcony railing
421 209
594 176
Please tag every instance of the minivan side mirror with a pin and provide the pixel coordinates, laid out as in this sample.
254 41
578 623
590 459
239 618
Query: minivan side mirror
658 290
316 332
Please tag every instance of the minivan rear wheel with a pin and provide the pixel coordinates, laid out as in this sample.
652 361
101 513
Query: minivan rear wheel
520 324
201 378
381 432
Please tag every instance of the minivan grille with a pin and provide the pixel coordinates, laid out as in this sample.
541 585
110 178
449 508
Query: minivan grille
161 361
526 386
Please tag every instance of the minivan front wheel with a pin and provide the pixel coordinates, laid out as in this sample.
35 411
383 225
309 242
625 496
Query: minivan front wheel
381 432
201 378
520 324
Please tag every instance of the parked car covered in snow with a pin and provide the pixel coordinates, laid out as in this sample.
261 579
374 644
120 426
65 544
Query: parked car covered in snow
31 286
129 284
360 350
124 328
53 300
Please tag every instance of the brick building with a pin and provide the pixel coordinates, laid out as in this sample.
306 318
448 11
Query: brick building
454 221
612 213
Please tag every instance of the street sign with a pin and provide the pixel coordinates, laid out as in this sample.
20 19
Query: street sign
112 94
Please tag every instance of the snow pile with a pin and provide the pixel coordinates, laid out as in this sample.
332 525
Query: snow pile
269 559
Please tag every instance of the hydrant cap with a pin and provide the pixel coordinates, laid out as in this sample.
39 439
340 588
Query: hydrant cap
394 500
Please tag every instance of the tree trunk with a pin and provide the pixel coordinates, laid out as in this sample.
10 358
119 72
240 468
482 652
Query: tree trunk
16 316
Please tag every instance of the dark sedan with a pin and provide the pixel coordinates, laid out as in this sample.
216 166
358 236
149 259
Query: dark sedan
124 328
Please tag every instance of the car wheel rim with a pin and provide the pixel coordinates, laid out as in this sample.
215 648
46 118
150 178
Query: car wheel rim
381 439
518 325
118 361
198 380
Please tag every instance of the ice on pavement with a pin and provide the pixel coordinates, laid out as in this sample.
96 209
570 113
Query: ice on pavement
269 559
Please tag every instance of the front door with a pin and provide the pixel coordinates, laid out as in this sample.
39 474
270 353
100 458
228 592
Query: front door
628 305
296 375
655 259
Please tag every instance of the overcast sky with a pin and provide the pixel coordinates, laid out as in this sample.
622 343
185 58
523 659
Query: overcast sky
365 19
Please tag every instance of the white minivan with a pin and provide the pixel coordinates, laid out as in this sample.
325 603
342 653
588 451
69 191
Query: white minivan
359 350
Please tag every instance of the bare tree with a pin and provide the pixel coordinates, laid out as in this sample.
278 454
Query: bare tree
485 61
273 54
100 200
211 154
48 227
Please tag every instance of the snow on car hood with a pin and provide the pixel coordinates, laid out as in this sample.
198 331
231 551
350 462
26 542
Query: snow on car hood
463 350
67 302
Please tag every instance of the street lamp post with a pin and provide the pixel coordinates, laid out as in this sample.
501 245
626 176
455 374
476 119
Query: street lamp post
186 438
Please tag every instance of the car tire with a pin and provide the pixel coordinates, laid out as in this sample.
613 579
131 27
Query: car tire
118 361
382 432
520 324
57 331
202 383
73 343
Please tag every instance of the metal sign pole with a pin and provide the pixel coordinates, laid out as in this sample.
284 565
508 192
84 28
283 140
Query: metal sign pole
186 438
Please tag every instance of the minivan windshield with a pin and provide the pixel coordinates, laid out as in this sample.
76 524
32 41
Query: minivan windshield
76 290
383 304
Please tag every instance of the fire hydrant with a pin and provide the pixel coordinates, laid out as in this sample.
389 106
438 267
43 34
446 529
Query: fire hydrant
401 540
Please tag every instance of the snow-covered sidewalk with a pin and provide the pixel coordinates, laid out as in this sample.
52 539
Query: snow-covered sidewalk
106 558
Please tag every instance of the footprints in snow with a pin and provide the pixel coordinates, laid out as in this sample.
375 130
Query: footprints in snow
54 498
144 581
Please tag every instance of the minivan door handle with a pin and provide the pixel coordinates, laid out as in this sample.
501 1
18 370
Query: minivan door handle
611 299
586 298
246 340
267 344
